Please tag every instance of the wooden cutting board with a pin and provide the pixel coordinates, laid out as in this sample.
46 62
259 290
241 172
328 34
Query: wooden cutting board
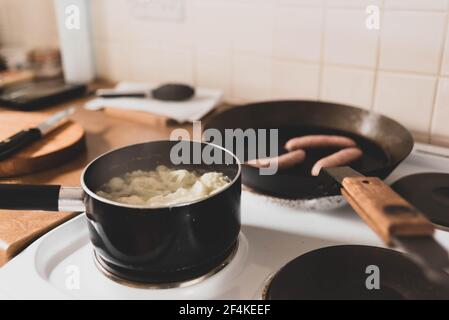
54 149
19 229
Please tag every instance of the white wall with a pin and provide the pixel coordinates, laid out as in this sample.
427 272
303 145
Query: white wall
28 23
273 49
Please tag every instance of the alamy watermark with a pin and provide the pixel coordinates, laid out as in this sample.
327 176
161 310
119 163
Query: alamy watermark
244 144
373 280
372 21
72 17
73 279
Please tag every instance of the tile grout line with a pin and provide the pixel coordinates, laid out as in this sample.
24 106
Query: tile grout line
438 79
189 10
378 54
322 51
275 9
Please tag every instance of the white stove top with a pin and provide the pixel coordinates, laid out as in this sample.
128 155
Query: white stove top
60 265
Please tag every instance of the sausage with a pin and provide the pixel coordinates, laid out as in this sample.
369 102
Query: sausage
285 161
341 158
319 141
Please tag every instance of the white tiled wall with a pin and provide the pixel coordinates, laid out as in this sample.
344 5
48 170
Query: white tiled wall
28 23
275 49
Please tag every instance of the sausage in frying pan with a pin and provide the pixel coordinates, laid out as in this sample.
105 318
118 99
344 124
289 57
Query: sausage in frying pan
285 161
341 158
319 141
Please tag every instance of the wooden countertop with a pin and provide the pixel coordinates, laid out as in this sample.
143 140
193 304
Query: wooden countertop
105 130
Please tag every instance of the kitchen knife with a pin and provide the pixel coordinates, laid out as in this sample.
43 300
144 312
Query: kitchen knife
396 221
115 93
26 137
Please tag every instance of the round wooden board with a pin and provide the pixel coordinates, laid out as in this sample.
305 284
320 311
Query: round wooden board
55 148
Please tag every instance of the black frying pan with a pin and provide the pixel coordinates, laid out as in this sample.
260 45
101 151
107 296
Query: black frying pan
385 142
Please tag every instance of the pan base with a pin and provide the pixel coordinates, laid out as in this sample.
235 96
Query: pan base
103 267
317 204
431 198
346 273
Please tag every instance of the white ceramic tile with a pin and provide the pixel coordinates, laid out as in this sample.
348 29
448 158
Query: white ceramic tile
301 3
110 20
295 80
417 4
16 32
252 27
145 64
406 98
177 65
4 21
348 86
112 61
445 62
101 66
440 123
347 39
213 70
148 30
211 30
412 41
32 23
298 33
251 78
353 3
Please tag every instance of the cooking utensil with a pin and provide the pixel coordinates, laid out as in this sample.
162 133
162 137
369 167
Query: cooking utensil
146 245
36 95
24 138
168 92
339 273
431 198
385 142
395 221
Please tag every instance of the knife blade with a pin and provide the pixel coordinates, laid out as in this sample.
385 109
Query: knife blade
24 138
396 221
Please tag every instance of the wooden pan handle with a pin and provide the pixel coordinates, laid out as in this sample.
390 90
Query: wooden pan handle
386 212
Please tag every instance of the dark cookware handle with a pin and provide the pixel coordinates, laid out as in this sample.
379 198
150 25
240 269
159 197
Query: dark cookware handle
41 197
122 95
18 141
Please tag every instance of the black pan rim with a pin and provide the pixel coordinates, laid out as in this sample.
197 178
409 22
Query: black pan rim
394 159
326 103
391 251
136 207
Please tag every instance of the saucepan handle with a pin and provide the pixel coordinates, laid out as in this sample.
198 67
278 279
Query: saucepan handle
386 212
41 197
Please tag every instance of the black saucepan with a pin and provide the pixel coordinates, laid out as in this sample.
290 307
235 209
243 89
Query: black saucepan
385 142
163 245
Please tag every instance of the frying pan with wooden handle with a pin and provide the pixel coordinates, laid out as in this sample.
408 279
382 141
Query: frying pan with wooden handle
385 144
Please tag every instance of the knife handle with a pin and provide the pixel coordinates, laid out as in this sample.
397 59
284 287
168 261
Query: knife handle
386 212
18 141
114 93
122 95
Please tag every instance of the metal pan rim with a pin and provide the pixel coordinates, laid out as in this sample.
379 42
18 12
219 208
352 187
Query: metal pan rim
181 205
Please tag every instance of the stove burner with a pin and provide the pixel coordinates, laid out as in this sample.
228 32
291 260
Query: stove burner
108 272
429 192
340 273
